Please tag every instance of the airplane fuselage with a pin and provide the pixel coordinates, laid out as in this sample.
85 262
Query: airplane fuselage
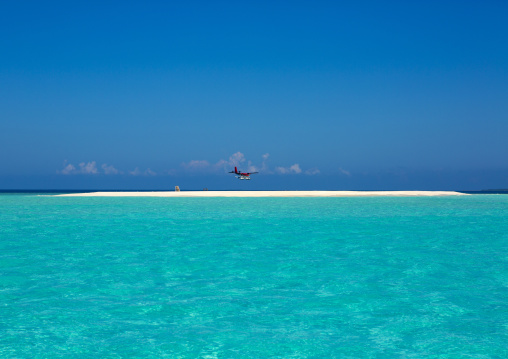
242 175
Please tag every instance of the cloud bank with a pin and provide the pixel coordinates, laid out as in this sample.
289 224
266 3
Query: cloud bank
88 168
109 170
137 172
344 172
196 166
239 160
294 169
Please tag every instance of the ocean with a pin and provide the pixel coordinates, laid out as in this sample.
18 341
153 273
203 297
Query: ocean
374 277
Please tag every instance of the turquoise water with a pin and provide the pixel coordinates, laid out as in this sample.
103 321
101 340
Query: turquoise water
254 277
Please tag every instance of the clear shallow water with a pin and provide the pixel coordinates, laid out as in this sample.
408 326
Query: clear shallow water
254 278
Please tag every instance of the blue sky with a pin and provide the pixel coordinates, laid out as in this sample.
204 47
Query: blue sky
314 95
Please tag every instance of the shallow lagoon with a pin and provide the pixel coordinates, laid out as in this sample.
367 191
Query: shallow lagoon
254 277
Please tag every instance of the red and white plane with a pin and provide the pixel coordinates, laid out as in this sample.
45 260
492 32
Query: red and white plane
242 175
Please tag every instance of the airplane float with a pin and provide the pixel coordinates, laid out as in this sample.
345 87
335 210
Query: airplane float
242 175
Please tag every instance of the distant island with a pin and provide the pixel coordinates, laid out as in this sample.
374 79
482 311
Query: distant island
487 191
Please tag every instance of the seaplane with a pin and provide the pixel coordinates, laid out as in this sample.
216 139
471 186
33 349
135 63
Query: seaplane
242 175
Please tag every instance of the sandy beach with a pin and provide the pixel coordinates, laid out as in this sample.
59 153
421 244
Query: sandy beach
267 194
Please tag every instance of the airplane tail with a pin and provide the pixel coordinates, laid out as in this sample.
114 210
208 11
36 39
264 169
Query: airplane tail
236 171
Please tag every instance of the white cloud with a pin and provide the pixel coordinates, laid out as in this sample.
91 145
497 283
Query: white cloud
69 169
264 166
196 165
135 172
109 170
312 172
344 172
251 167
171 172
237 158
221 164
294 169
149 172
89 168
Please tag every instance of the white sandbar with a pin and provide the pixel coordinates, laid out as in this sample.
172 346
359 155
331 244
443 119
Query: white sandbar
267 194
